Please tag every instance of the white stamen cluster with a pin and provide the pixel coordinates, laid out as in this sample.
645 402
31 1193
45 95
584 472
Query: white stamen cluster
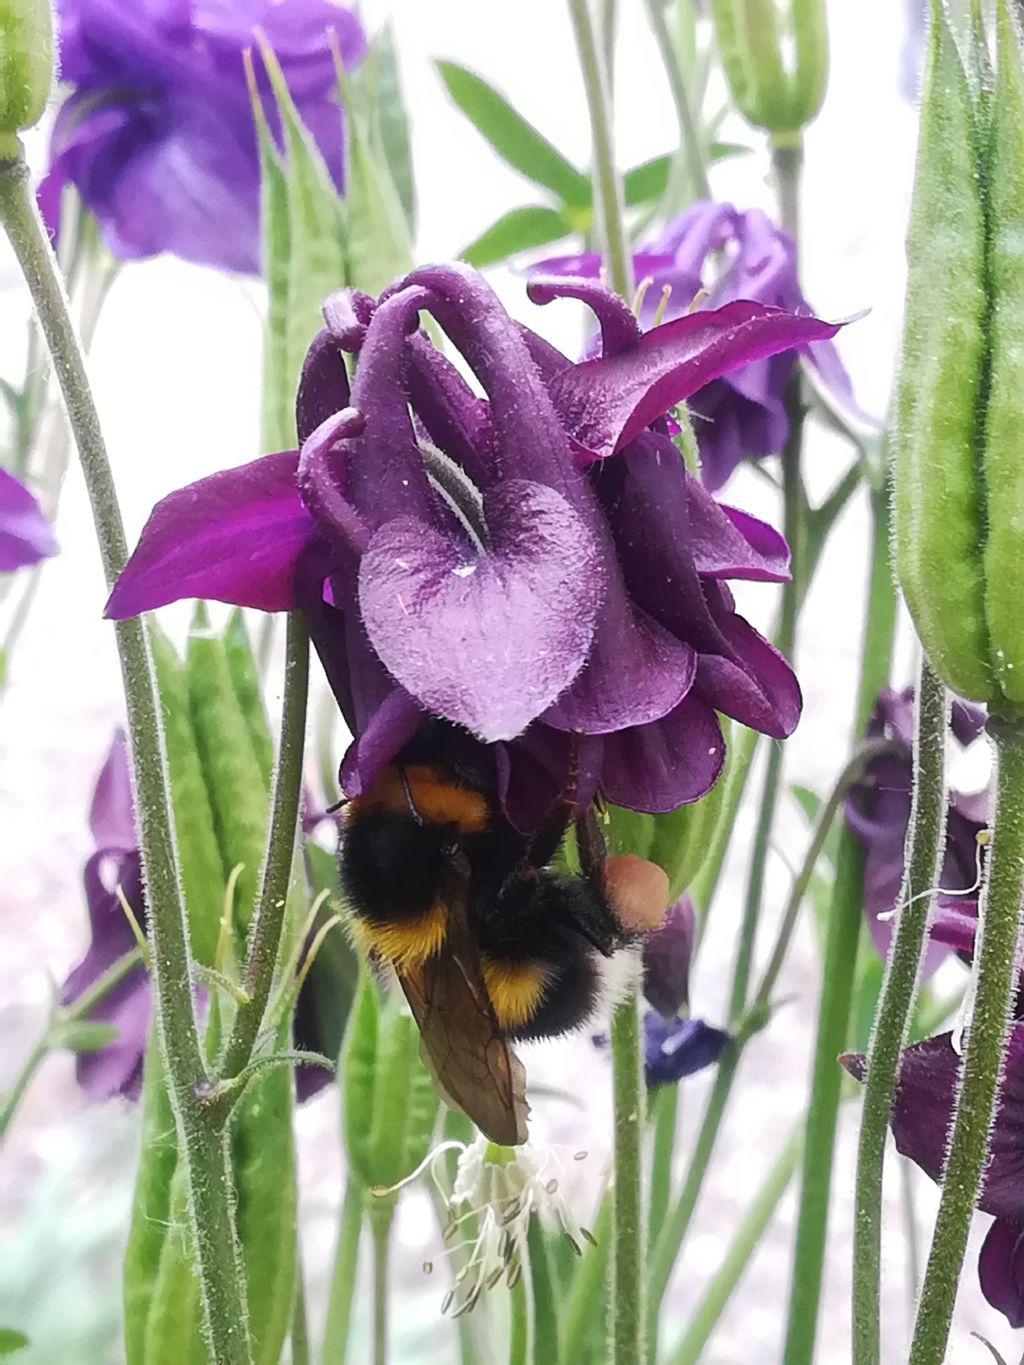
502 1189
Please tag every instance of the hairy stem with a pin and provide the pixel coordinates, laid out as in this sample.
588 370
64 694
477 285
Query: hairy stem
689 138
995 989
629 1243
922 870
220 1279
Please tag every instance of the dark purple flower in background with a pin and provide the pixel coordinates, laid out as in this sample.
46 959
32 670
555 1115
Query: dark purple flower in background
674 1046
712 255
26 536
922 1116
115 865
878 811
534 568
115 1068
158 134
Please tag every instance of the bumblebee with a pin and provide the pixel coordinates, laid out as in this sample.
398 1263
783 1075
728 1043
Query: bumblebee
490 943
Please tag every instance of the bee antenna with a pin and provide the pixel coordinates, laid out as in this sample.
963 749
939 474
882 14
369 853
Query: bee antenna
338 805
408 797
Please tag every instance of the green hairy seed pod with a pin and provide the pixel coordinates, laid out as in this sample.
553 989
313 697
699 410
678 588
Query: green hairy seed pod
938 515
752 38
1003 460
26 67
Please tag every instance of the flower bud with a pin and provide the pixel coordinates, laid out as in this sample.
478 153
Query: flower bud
26 65
750 43
958 534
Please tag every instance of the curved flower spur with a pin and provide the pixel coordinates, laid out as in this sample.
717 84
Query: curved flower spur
524 566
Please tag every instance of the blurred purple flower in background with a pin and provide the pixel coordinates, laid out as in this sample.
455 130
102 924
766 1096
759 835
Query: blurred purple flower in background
674 1046
26 536
712 255
115 1068
922 1116
878 811
528 567
158 134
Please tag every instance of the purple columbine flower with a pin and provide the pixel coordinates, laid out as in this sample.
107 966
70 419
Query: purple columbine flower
533 568
158 133
26 536
115 1068
878 811
710 256
922 1116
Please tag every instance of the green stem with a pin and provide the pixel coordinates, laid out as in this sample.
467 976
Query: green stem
628 1240
380 1227
519 1335
268 922
737 1257
845 913
543 1292
995 988
588 1285
343 1276
209 1176
608 184
922 871
664 1101
299 1339
21 1082
689 138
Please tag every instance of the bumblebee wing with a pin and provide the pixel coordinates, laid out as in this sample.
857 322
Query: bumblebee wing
472 1064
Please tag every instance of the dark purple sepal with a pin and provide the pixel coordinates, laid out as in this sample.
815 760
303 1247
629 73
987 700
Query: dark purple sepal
238 536
1001 1270
922 1115
666 764
619 327
667 954
608 401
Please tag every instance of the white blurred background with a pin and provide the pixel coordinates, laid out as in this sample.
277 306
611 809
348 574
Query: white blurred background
176 366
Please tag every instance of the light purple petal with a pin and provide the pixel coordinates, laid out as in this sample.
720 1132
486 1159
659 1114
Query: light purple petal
678 1048
26 536
666 764
606 402
240 536
485 640
1001 1270
112 814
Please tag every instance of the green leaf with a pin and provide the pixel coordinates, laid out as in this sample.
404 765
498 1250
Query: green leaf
376 228
723 151
11 1340
358 1077
85 1035
304 252
647 182
808 801
517 230
245 679
512 137
378 85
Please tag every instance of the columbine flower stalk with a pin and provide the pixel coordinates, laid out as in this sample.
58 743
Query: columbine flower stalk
957 556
